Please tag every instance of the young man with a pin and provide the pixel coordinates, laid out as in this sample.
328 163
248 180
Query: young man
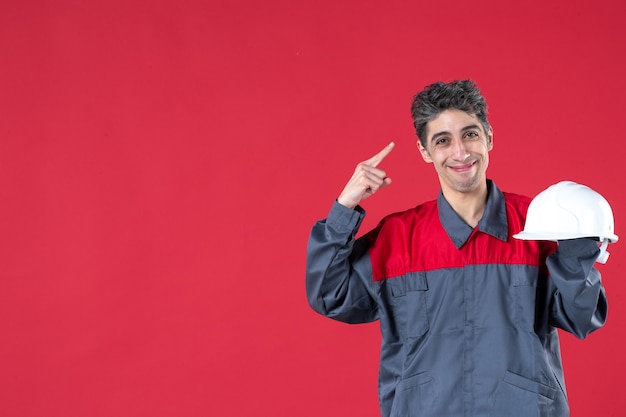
468 314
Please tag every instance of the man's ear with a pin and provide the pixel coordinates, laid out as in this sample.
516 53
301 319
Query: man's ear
424 152
490 139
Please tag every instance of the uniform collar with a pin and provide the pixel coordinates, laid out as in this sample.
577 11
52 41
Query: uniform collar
493 221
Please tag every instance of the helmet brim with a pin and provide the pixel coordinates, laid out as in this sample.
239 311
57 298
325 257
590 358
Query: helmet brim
558 236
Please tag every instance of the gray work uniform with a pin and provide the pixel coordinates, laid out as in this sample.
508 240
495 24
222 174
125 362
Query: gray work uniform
468 316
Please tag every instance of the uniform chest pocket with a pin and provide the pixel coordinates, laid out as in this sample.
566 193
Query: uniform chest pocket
409 304
525 292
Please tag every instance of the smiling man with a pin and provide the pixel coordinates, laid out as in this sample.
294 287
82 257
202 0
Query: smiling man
468 315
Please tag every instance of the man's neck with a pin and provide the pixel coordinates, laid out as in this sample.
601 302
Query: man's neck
470 206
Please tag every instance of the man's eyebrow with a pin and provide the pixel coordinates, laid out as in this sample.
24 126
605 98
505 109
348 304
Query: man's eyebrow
470 127
436 135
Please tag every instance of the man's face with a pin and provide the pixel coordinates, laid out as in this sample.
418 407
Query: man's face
458 147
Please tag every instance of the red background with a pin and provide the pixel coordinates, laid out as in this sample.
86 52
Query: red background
162 162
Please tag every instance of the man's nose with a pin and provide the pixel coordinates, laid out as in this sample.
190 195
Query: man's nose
459 150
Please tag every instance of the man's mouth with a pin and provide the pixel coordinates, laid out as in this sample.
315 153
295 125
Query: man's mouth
463 168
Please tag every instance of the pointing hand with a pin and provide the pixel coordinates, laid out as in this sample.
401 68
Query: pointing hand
366 180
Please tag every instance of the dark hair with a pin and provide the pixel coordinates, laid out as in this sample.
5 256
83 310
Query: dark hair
433 99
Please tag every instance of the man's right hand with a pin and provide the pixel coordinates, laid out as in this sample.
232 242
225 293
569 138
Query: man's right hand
366 180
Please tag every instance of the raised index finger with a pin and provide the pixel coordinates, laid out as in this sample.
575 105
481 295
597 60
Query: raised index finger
378 158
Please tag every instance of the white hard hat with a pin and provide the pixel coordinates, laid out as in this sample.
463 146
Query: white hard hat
568 210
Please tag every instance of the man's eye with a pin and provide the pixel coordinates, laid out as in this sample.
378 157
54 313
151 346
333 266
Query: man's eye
441 141
471 134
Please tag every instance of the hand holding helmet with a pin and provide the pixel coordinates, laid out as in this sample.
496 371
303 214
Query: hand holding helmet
568 210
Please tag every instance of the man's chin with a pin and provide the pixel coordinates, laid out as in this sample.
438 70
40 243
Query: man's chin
467 186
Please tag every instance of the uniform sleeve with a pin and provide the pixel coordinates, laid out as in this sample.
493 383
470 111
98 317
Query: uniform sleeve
338 269
579 304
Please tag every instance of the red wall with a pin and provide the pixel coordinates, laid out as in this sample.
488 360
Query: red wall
161 164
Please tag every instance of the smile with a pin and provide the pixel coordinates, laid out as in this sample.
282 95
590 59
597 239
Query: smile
463 168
